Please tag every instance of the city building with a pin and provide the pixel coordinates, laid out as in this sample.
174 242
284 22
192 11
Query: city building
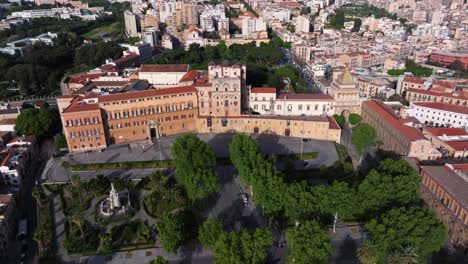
314 127
132 24
396 135
177 100
16 47
451 142
93 121
252 24
439 114
443 189
345 93
448 57
163 75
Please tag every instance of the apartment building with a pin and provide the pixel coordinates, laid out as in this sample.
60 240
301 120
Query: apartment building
395 135
132 24
439 114
443 189
409 82
451 142
448 57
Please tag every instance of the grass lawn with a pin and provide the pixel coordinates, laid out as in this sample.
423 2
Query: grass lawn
112 30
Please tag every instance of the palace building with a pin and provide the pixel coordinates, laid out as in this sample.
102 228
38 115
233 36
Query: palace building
177 100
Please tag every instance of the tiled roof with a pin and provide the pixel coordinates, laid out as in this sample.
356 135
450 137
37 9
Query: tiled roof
458 145
263 90
147 93
389 116
305 96
454 184
130 56
190 76
448 131
333 124
444 107
75 107
437 93
164 68
84 77
414 80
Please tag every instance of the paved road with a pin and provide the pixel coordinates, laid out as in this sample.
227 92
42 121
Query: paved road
345 243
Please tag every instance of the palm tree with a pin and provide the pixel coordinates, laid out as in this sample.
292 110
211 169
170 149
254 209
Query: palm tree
367 253
76 183
404 255
79 221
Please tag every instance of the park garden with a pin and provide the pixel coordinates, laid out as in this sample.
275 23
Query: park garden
166 208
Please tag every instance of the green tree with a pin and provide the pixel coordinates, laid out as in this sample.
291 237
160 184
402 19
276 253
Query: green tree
364 136
243 247
357 25
300 201
306 11
60 142
209 232
144 232
336 198
41 122
404 255
367 253
171 231
339 119
393 183
457 65
402 227
337 21
354 119
245 154
195 162
106 243
308 243
159 260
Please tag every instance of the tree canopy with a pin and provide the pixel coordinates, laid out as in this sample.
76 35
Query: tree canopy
308 243
393 183
171 231
243 247
40 122
354 119
210 232
415 226
364 136
357 25
267 184
195 162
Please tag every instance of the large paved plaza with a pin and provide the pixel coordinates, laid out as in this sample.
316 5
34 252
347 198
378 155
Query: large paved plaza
270 144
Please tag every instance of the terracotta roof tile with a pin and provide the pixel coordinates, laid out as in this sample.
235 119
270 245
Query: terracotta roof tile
448 131
164 68
391 118
147 93
411 79
190 76
263 90
304 96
